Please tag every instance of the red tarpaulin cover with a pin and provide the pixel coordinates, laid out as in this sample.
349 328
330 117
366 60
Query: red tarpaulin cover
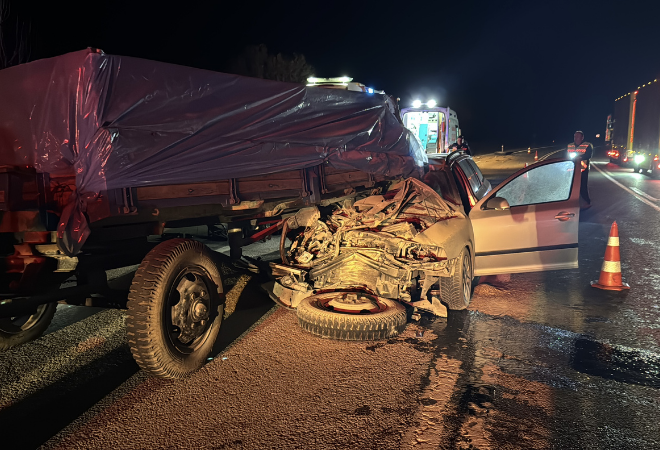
127 122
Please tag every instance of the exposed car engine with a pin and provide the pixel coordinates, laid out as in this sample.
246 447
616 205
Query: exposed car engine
368 246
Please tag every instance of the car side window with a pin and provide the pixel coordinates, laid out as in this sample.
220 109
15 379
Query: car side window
543 184
472 176
480 177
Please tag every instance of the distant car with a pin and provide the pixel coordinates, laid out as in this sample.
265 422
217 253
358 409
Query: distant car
647 163
423 242
621 157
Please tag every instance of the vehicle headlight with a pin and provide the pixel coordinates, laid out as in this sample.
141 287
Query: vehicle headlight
572 155
639 159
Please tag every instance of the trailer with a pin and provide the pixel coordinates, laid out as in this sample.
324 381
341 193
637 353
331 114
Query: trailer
634 130
99 154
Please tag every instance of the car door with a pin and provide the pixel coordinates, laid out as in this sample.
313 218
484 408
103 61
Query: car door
536 228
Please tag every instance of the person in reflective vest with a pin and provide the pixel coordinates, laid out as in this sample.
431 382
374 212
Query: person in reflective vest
461 144
583 150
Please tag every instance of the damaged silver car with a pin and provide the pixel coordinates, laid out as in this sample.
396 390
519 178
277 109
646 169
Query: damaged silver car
354 266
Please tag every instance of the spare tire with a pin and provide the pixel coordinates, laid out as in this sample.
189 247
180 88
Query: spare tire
331 315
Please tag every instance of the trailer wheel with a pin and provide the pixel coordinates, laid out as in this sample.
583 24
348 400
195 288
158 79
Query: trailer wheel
456 291
351 316
19 330
175 308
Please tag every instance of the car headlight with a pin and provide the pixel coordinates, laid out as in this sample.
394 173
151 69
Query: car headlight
639 159
572 155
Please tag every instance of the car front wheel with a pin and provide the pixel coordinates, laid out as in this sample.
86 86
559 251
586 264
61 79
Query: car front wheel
456 291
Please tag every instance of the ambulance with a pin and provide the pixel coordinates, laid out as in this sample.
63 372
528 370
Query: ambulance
436 127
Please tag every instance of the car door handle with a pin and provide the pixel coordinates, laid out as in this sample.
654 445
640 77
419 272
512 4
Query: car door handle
564 216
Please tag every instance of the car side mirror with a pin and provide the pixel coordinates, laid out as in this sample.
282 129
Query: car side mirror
497 203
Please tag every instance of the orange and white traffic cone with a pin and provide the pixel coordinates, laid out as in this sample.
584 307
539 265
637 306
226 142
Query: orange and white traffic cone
610 272
529 150
536 155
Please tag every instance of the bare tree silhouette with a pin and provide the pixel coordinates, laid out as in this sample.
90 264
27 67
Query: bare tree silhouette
14 37
255 61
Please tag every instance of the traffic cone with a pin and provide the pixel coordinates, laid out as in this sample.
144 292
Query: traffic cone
536 155
610 272
529 150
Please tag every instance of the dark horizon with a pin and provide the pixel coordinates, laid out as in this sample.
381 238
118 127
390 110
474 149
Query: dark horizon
518 74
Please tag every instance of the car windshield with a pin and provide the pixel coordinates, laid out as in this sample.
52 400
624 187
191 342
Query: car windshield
442 182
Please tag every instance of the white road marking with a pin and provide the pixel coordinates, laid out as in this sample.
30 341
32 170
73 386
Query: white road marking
544 157
532 149
625 188
517 151
644 194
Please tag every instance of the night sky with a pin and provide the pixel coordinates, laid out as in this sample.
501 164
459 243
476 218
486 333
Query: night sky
517 73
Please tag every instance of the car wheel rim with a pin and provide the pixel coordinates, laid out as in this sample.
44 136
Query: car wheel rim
351 303
467 279
188 315
18 324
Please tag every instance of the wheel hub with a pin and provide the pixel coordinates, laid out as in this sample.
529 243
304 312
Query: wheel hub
190 315
352 302
199 311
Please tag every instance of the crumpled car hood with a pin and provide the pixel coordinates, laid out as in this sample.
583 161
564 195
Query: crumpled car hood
376 244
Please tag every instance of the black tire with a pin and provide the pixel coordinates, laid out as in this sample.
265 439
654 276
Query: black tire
19 330
456 291
386 323
655 172
176 274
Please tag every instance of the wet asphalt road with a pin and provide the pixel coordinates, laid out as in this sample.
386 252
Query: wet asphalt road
538 361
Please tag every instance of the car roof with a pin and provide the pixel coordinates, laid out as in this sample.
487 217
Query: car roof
449 157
